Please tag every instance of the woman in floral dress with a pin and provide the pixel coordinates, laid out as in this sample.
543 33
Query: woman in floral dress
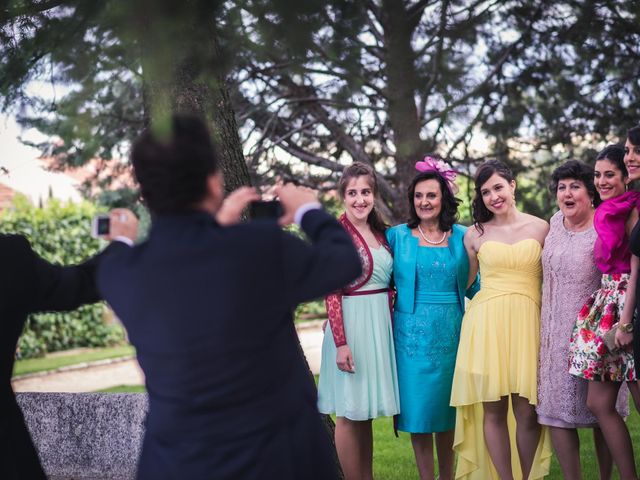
613 302
570 276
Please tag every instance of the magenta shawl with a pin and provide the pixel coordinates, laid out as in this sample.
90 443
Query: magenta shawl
611 250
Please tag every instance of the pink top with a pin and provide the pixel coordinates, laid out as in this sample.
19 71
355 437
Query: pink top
611 250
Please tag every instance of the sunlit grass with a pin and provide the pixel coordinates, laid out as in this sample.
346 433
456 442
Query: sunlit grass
55 361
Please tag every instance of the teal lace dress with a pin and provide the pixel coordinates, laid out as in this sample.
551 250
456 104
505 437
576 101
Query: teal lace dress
426 344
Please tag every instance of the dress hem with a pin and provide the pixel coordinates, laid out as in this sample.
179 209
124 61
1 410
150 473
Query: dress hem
359 418
458 405
452 429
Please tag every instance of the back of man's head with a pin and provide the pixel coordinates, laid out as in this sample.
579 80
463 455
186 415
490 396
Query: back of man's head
173 171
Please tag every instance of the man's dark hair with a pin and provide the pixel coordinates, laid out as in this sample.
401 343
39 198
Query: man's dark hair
173 172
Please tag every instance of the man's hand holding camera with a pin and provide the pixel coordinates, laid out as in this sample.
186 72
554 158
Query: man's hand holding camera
120 224
290 196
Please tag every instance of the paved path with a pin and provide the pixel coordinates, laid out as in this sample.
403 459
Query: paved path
127 372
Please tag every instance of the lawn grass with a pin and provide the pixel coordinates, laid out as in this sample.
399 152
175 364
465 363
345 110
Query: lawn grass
55 361
124 389
393 457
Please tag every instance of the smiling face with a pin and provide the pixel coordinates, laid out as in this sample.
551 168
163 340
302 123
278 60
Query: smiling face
358 198
427 200
498 194
609 180
632 159
574 200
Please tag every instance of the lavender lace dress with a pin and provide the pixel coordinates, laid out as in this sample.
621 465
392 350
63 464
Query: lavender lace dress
570 276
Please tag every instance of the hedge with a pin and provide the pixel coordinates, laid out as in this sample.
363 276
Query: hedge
60 233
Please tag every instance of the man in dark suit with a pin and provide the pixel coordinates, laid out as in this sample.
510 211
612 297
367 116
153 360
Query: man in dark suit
29 284
209 310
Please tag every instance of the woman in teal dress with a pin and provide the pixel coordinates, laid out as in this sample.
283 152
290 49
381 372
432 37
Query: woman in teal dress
358 379
431 271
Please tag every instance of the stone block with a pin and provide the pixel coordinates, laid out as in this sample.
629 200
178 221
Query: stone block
84 436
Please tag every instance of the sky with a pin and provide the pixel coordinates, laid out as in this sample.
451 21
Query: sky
25 173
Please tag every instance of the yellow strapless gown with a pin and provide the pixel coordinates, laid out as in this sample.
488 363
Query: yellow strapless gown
498 354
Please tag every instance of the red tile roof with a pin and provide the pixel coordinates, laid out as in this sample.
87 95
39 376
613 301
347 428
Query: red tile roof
6 196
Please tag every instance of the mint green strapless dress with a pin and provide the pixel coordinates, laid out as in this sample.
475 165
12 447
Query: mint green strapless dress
372 391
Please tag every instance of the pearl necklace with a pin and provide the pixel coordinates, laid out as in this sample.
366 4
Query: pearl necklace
444 235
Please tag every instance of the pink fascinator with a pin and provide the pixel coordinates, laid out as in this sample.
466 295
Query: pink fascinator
440 167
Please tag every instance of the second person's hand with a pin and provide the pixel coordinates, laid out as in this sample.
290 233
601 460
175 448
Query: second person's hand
293 197
231 210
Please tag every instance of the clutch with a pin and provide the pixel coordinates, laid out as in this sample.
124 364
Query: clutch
609 338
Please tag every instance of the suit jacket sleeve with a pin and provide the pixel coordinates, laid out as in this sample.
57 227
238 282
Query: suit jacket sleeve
65 287
325 265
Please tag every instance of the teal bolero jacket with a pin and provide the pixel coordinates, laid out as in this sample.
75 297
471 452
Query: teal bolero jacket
405 253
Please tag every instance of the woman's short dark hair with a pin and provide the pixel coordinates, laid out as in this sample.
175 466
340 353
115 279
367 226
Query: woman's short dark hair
615 154
359 169
173 172
479 211
576 170
633 135
448 213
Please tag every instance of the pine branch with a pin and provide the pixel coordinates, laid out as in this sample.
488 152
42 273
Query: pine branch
28 8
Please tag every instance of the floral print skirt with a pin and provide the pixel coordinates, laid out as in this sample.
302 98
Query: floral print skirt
589 357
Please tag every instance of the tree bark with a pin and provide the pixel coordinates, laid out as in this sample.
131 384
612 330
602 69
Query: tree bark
183 71
401 89
234 166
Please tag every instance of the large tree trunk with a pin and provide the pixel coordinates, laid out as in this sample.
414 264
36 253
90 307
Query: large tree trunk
183 71
401 88
225 126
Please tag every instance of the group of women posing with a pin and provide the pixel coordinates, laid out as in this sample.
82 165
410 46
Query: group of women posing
543 348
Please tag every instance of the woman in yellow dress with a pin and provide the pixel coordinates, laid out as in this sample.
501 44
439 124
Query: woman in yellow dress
494 385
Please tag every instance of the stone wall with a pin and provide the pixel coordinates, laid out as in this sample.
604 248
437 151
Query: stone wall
84 436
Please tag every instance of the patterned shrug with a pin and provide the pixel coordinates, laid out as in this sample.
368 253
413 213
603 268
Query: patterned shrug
333 302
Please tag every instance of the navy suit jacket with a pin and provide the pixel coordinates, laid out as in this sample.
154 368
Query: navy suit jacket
29 284
209 310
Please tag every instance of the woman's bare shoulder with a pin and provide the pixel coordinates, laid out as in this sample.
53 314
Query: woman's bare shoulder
472 233
537 227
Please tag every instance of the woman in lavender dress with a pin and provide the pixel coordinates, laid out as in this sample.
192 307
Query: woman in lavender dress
569 277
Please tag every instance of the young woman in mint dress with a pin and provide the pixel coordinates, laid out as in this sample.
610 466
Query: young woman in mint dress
358 380
431 271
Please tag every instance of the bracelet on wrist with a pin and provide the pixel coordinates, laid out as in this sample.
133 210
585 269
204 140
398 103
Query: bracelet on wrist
625 327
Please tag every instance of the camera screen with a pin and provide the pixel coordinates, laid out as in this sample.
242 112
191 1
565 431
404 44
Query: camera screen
103 226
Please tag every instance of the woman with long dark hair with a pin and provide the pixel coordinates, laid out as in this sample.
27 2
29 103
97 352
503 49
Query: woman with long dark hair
607 366
431 273
358 380
495 380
